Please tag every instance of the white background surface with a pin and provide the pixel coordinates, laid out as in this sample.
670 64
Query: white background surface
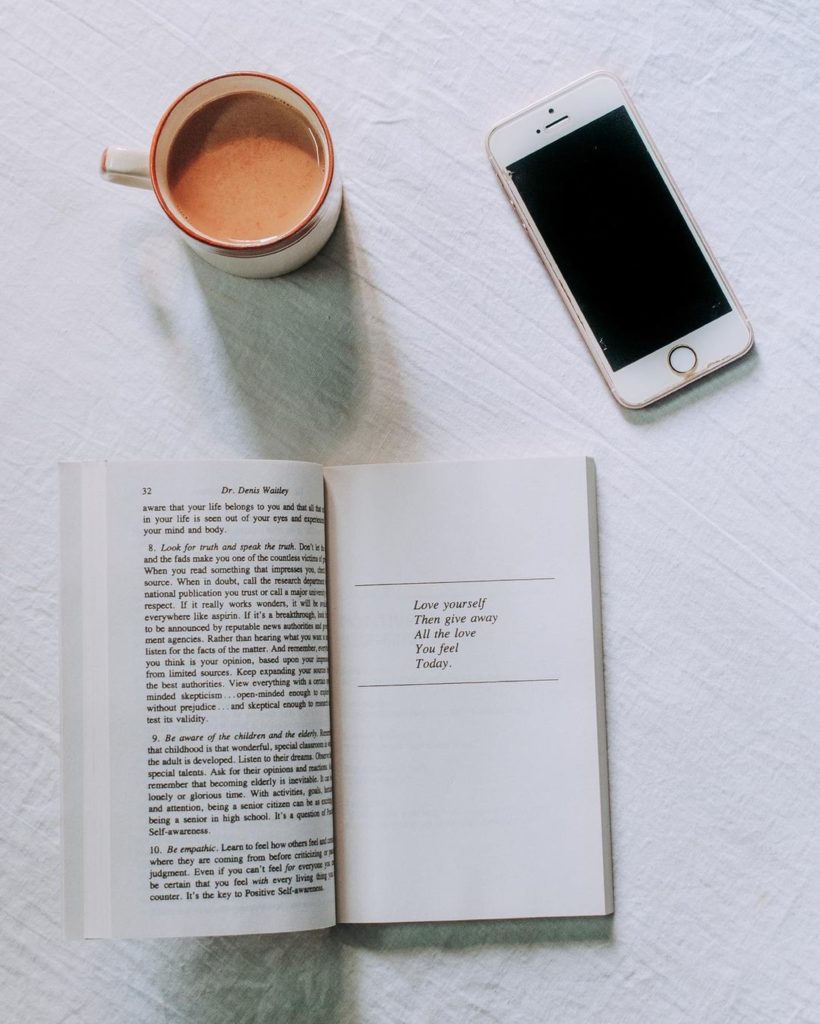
429 330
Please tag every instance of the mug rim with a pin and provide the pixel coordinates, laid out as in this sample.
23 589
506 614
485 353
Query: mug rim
256 246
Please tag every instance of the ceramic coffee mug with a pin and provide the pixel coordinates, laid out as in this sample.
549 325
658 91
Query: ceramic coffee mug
207 167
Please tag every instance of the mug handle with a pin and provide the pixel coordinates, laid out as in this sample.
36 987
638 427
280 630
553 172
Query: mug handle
126 167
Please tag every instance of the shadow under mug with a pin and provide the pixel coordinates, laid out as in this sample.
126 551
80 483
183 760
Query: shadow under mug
268 257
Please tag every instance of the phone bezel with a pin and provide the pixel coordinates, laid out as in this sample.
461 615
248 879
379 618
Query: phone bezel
651 377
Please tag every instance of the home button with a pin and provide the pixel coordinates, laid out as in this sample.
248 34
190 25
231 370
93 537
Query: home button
683 359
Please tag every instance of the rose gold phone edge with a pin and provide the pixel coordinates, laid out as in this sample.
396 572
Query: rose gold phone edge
566 295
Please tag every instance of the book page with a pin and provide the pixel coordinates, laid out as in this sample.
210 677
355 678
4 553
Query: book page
206 789
469 750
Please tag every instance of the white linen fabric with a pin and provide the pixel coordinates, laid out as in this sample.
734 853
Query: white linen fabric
428 329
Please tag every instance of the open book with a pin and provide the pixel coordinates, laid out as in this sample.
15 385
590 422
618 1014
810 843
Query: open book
294 696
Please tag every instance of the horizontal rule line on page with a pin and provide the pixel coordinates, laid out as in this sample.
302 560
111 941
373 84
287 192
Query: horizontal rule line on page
453 682
435 583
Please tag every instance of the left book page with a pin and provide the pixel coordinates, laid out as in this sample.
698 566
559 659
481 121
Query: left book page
197 795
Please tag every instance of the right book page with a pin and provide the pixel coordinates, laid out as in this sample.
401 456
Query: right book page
469 743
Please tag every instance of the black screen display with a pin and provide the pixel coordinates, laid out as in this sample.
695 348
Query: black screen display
618 238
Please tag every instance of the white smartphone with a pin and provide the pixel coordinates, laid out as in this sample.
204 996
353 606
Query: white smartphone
593 194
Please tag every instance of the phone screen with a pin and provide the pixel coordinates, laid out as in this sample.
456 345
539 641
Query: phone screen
622 245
